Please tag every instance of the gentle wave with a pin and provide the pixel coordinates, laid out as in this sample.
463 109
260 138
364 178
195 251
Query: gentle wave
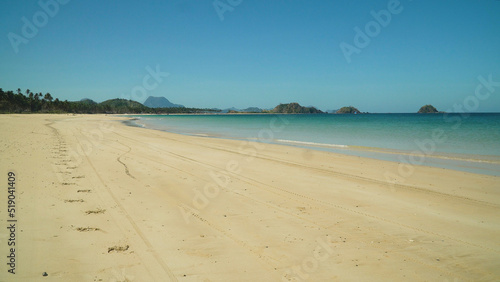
436 155
312 143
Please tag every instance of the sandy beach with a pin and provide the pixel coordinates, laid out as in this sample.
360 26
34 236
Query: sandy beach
97 200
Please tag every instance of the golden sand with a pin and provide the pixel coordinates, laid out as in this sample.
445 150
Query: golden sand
100 201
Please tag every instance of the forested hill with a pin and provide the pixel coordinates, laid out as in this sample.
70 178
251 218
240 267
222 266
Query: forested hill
295 108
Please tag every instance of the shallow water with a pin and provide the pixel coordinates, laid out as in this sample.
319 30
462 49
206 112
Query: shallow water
463 142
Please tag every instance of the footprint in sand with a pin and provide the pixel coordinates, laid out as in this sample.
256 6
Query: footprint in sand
74 201
98 211
118 248
84 191
87 229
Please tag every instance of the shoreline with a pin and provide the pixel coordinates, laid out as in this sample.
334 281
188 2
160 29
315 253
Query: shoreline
114 202
481 164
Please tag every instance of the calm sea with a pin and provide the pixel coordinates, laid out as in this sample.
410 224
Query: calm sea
464 140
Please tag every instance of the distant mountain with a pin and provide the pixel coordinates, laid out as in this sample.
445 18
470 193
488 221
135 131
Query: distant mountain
160 102
124 106
252 110
348 110
295 108
88 101
427 109
247 110
232 109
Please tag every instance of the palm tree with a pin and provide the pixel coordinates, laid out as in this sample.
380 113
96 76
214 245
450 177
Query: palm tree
30 99
42 101
36 101
47 101
48 97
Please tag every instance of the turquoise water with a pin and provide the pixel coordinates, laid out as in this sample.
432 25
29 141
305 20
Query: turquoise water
449 136
477 134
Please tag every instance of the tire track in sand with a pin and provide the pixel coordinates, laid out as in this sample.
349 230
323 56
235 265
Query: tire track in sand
270 188
297 196
136 228
119 159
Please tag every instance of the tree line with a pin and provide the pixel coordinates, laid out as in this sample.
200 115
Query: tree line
18 102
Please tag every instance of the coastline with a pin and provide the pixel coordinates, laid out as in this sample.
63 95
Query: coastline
165 206
472 163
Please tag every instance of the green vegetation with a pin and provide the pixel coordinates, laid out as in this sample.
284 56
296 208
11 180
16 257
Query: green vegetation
348 110
295 108
122 106
11 102
428 109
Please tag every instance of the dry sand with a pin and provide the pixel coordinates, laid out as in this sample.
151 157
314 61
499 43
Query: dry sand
101 201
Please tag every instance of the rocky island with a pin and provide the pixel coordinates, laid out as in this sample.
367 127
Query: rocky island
348 110
294 108
428 109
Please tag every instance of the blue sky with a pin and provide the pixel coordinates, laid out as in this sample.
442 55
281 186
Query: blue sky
260 53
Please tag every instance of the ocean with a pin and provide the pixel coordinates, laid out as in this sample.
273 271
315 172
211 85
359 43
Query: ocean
466 142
